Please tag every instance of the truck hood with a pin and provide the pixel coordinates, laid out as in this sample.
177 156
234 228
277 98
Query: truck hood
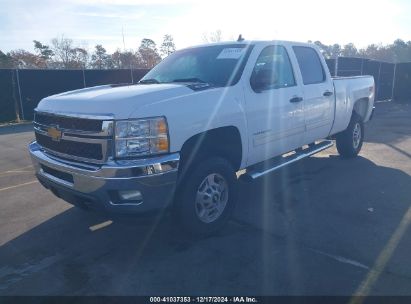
108 100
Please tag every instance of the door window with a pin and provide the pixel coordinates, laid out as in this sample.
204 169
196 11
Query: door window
310 65
272 70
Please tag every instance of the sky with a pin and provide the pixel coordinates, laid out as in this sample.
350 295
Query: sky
91 22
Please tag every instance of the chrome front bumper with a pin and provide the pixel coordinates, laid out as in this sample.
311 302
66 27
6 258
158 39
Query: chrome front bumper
98 186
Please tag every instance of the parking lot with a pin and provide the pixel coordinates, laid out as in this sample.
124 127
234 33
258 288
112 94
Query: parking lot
324 226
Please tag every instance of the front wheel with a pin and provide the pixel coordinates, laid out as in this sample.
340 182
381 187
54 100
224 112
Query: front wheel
349 142
206 197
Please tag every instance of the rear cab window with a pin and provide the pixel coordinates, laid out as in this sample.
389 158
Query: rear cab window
310 65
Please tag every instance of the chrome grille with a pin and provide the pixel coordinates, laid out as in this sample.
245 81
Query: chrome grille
82 138
78 149
69 123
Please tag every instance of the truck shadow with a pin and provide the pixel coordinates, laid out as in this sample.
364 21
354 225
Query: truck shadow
17 128
391 123
283 222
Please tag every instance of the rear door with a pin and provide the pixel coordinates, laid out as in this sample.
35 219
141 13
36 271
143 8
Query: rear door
318 94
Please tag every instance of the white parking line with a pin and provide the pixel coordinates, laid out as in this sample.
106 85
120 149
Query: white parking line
17 170
19 185
10 275
382 260
101 225
11 172
341 259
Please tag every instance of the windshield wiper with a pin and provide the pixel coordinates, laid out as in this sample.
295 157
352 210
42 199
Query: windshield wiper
195 84
149 81
189 80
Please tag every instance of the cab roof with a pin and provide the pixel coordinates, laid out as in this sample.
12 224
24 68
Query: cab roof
253 42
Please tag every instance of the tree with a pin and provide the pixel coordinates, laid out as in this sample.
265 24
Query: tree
67 56
168 46
79 58
212 36
401 50
324 49
349 50
115 59
43 50
100 59
328 51
125 60
377 52
335 50
215 36
6 61
63 50
371 50
26 60
149 54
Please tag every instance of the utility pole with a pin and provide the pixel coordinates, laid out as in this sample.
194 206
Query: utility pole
16 103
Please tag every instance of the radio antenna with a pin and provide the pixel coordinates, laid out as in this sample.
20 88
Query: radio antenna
122 33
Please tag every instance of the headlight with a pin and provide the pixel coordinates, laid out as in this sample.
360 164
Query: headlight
141 137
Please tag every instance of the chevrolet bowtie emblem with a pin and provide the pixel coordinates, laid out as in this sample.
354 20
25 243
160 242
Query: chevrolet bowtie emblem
54 133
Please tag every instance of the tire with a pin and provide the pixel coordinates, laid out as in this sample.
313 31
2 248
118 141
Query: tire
206 198
349 142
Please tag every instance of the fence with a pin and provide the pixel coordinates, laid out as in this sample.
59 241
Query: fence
383 73
7 95
402 82
21 90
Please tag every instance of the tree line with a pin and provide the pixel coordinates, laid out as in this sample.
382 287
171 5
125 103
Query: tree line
64 54
398 51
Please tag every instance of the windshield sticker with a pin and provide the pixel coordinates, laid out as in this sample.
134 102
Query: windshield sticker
231 53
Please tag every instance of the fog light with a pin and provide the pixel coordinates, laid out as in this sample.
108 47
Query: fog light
130 195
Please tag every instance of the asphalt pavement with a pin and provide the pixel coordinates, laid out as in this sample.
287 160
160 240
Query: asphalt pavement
323 226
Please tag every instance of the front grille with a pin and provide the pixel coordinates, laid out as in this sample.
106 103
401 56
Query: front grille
72 148
70 123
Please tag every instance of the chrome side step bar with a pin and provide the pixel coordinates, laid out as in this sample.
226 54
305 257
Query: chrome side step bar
282 161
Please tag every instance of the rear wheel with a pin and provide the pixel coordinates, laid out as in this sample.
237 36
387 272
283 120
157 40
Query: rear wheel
349 142
206 197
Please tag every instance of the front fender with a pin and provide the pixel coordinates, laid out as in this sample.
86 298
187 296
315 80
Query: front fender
198 112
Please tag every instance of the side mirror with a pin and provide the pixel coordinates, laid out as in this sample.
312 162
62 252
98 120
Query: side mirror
264 80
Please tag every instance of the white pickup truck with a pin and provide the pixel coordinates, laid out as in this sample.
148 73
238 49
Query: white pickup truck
177 138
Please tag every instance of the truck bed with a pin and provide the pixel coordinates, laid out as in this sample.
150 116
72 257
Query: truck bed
347 91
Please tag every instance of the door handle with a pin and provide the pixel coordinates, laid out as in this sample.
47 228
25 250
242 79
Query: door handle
327 93
296 99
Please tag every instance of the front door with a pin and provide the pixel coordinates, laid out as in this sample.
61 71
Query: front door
274 106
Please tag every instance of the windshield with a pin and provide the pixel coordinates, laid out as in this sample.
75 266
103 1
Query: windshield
217 65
